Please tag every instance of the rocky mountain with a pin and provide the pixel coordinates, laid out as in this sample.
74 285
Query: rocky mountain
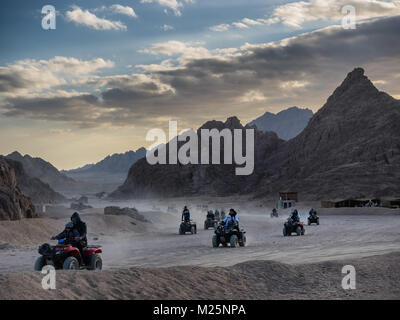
14 205
34 188
116 163
43 170
109 173
145 180
350 148
287 124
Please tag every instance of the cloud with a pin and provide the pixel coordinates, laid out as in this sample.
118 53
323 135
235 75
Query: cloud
174 5
296 14
125 10
88 19
167 27
35 75
195 84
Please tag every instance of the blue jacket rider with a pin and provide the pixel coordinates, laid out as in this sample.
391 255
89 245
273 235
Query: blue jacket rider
231 218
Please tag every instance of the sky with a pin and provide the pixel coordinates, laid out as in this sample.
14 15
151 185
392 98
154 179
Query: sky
111 70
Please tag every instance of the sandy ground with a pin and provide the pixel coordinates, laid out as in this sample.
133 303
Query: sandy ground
150 260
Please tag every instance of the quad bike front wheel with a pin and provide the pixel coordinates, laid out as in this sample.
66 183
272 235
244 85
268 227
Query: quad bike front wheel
284 232
298 231
40 263
234 241
96 263
193 230
215 241
71 263
242 242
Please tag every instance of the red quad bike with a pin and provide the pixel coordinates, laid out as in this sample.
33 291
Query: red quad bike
290 227
67 257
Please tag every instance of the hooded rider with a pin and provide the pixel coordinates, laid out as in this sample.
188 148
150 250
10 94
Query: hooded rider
294 216
185 214
80 226
313 212
231 219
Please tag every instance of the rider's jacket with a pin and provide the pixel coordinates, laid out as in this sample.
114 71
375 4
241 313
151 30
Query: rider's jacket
69 235
186 215
294 218
229 220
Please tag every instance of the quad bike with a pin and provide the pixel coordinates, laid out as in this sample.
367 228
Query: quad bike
290 227
233 236
210 221
188 226
66 256
274 214
313 218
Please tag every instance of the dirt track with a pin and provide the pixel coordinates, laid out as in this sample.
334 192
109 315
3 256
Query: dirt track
144 253
337 237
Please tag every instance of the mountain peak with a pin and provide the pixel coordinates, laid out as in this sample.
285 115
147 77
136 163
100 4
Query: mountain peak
355 84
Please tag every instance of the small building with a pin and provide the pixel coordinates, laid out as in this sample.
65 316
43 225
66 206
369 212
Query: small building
289 196
287 200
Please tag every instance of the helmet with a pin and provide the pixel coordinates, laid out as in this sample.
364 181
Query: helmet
292 211
232 212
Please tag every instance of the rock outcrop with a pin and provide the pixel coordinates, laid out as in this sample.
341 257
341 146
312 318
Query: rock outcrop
44 171
130 212
174 180
34 188
350 148
14 205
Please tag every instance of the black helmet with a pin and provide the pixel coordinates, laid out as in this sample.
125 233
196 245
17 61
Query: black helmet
232 212
75 218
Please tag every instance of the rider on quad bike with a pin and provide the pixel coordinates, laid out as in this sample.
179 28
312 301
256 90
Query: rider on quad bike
187 225
217 217
72 251
228 232
78 229
185 214
274 213
313 218
293 224
231 219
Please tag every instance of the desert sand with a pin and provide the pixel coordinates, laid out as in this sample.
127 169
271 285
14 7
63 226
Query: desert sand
151 261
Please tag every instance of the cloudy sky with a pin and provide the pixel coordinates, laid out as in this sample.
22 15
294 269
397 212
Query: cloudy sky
111 70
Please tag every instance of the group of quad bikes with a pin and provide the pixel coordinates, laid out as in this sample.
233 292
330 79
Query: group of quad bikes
297 227
231 236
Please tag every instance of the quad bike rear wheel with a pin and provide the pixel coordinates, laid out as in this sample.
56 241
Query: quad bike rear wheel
284 232
181 231
40 263
234 241
317 222
193 230
96 263
71 263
